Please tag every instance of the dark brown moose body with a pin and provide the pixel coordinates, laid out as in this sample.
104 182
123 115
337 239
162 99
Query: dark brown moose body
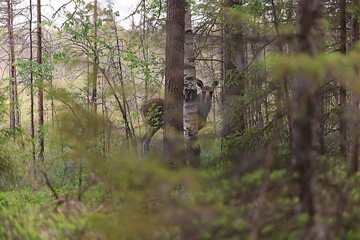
152 113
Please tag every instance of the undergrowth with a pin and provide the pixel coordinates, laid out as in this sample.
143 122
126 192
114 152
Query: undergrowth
79 192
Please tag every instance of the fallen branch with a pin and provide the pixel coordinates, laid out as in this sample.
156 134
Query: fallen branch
50 186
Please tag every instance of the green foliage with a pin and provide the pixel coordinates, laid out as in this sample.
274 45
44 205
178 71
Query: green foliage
23 199
20 223
151 68
82 32
156 10
7 166
41 72
317 68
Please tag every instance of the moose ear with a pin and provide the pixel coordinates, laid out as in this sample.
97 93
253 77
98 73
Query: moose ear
214 84
199 83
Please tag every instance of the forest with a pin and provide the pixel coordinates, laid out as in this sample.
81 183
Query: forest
199 119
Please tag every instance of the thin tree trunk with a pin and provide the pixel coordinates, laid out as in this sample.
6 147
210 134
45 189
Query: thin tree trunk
14 109
174 85
192 147
52 108
88 83
137 108
322 111
40 93
342 127
16 97
95 64
11 42
213 106
32 125
145 49
103 109
354 152
222 72
80 181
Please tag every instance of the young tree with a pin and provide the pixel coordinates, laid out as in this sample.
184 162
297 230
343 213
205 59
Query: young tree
174 84
40 93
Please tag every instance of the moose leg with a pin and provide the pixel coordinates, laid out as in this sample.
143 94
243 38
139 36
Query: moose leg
145 140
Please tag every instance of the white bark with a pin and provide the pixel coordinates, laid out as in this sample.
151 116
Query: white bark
192 148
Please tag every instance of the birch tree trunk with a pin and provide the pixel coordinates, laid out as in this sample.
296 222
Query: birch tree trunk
192 148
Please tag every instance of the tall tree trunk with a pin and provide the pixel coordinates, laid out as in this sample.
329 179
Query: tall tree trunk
40 93
286 87
306 108
174 84
192 148
354 142
14 109
32 125
145 50
222 72
96 62
103 111
233 88
342 127
16 96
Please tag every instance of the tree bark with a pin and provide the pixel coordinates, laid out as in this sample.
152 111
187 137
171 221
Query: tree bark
174 84
342 127
354 142
40 93
32 125
145 49
192 147
95 64
14 108
307 108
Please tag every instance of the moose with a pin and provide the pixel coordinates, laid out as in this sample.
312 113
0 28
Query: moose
152 113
